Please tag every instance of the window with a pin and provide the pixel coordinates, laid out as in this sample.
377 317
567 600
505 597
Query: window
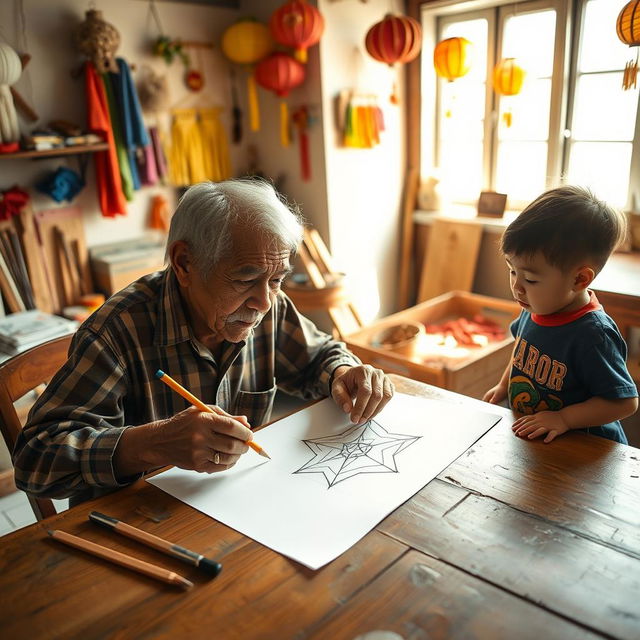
572 122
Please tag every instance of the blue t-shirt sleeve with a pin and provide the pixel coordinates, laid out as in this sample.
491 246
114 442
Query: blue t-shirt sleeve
604 370
515 324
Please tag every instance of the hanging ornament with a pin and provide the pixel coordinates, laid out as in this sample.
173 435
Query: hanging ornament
194 77
298 25
10 70
246 42
280 73
452 60
395 39
508 78
628 30
98 40
300 118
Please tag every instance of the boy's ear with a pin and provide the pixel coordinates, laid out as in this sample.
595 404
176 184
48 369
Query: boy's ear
584 277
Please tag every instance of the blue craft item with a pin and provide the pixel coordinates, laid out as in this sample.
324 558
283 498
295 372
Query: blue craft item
62 184
134 132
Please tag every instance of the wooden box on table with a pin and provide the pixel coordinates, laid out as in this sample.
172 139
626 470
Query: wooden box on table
470 371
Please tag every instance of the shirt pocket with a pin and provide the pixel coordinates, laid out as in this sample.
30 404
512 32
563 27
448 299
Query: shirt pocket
256 405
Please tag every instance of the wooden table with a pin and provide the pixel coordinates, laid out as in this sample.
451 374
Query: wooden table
512 540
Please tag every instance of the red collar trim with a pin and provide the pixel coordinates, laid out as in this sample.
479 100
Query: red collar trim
557 319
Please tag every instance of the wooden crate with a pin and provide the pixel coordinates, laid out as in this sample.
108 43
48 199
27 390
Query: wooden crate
472 375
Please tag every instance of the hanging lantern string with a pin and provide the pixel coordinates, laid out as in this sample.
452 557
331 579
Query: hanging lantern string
155 15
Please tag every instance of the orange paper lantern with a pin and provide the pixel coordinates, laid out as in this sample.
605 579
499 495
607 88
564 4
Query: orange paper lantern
628 30
280 73
298 25
394 39
452 58
508 77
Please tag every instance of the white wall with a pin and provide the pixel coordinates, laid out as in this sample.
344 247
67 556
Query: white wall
364 186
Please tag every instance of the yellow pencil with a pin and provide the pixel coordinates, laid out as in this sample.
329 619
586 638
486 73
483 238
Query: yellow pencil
122 559
187 395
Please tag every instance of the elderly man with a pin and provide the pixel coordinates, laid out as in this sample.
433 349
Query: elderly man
215 320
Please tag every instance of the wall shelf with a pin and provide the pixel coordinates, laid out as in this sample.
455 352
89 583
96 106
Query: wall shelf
60 151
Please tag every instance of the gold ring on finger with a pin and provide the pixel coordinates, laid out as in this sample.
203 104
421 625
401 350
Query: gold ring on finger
216 458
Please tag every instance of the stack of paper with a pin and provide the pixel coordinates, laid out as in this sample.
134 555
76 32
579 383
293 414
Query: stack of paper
25 329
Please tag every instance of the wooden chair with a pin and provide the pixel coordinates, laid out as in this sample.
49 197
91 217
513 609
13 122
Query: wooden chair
325 291
18 376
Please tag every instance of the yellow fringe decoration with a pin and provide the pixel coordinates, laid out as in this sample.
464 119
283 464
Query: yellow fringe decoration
284 124
254 107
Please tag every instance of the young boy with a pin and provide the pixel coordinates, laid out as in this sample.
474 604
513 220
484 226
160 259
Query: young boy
568 366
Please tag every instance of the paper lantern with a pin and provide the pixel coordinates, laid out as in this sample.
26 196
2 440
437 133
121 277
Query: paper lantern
394 39
298 25
10 70
280 73
508 77
452 58
246 42
628 30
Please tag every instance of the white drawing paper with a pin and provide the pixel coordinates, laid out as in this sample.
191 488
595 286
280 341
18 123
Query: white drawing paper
330 482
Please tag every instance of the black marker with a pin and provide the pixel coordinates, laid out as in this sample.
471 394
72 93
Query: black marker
210 567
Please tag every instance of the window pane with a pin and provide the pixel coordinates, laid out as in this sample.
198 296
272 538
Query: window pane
595 119
522 169
530 38
601 49
461 171
461 112
529 112
602 167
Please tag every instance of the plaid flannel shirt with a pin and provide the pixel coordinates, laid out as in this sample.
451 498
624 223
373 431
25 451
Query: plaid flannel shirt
108 383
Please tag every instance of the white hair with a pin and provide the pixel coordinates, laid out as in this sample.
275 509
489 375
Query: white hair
208 212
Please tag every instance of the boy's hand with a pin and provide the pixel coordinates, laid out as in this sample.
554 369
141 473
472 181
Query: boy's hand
536 425
495 394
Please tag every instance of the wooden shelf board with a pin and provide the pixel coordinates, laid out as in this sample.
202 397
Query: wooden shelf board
60 151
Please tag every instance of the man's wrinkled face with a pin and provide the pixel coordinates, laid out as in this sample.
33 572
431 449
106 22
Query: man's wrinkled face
235 297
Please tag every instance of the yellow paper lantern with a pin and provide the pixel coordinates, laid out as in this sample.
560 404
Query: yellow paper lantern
247 42
452 58
628 30
508 77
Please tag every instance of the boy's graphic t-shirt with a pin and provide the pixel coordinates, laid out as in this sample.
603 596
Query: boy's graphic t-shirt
565 358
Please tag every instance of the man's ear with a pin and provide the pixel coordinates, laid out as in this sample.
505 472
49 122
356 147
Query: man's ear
584 277
180 258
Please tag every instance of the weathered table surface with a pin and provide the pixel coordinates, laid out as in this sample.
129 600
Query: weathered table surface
514 539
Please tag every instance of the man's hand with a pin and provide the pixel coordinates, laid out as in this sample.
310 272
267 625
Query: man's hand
536 425
361 391
192 439
495 394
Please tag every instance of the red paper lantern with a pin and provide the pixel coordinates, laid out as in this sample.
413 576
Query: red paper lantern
298 25
279 73
394 39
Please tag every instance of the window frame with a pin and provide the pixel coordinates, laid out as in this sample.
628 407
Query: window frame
422 117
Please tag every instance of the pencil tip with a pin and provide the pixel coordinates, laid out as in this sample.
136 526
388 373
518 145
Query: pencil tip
264 454
159 373
185 584
50 532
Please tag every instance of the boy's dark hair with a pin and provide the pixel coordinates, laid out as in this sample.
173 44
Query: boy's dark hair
568 225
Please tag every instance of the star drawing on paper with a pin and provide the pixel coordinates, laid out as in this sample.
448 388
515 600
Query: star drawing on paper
365 448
